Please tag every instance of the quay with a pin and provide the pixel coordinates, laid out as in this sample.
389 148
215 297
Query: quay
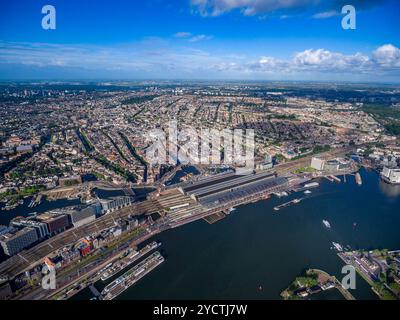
127 261
287 204
211 219
115 288
346 293
313 282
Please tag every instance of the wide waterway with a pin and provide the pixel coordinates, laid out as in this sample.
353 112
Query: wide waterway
256 247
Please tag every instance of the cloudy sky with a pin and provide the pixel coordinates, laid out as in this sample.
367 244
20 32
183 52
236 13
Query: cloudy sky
201 39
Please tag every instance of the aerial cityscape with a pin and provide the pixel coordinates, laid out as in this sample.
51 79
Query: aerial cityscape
160 162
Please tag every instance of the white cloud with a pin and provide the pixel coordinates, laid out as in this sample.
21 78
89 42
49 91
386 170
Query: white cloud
191 37
153 59
248 7
387 56
325 14
199 37
322 60
325 8
182 34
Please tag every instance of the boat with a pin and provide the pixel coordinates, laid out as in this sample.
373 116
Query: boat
307 192
311 185
231 210
284 205
132 276
326 223
281 194
114 268
337 246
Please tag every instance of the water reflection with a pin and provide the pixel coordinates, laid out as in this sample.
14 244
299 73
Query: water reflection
390 190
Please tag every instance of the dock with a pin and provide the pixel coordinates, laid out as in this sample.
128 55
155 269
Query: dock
129 278
287 204
215 217
127 261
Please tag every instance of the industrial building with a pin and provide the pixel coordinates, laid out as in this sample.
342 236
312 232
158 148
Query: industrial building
332 165
227 182
109 205
16 242
56 223
81 215
41 228
229 188
317 163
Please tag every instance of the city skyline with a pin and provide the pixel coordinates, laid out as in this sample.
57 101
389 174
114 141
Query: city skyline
201 39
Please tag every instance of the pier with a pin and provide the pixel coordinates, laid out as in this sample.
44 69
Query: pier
287 204
115 288
335 179
211 219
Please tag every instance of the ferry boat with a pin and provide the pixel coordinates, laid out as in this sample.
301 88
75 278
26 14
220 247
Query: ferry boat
311 185
326 223
337 246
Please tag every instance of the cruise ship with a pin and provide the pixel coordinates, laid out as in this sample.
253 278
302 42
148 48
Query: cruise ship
132 276
113 269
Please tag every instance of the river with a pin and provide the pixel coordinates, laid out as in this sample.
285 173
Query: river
256 246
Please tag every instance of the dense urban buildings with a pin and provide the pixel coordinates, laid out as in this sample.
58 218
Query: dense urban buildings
199 149
103 140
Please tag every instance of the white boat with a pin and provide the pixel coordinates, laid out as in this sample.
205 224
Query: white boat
307 192
231 210
337 246
326 223
281 194
311 185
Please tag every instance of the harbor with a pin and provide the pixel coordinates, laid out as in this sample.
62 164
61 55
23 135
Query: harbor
115 288
125 262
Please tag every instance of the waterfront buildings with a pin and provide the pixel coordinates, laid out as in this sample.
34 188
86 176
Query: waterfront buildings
41 228
109 205
391 175
317 163
13 243
82 215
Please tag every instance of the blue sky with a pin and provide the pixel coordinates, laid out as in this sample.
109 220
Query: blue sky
200 39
